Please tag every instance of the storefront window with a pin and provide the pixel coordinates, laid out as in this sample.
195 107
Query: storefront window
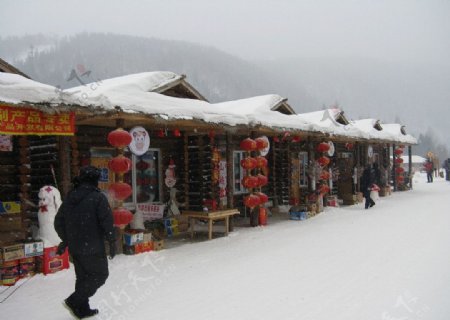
303 157
145 177
238 172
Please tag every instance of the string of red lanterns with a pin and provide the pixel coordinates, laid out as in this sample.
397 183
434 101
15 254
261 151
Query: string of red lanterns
120 165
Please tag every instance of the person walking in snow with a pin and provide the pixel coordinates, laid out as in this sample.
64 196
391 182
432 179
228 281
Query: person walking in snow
83 222
446 166
367 180
429 170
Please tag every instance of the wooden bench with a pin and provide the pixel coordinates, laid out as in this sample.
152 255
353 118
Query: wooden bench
210 217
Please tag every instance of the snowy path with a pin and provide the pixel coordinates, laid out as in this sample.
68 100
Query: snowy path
389 262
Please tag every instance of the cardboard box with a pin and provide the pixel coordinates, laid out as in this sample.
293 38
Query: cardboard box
10 272
158 245
32 249
10 222
51 262
147 236
132 237
144 247
9 207
332 201
11 252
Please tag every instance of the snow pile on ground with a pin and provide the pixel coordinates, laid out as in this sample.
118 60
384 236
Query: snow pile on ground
388 262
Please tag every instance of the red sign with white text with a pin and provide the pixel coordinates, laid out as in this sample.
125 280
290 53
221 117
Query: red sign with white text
27 121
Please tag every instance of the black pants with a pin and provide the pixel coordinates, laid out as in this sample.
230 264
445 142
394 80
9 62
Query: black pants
369 200
430 176
91 272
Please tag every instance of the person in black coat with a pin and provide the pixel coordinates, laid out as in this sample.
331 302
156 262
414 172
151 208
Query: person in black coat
367 180
83 222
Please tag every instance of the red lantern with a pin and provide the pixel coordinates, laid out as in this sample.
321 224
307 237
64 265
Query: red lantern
248 144
296 139
263 198
161 133
122 217
399 170
324 175
119 164
323 161
119 138
251 201
248 163
120 190
261 162
398 151
349 146
177 133
399 160
250 182
324 189
261 143
262 180
323 147
400 179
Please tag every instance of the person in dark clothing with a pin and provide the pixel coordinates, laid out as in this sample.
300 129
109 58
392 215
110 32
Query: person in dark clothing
83 222
446 166
367 180
429 169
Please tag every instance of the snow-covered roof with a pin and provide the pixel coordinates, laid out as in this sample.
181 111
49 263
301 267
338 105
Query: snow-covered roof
133 94
15 89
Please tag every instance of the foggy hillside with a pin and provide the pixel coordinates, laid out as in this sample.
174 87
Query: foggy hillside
217 75
362 88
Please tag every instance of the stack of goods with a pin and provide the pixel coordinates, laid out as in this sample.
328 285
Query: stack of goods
19 261
136 241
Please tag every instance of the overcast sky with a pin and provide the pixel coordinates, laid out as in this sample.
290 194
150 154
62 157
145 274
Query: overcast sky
398 30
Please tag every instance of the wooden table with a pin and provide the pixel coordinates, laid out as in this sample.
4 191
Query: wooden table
210 216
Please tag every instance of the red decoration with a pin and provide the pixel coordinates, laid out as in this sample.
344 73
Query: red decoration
119 138
400 179
276 139
263 198
161 133
262 180
248 163
250 182
119 164
261 162
349 146
261 143
399 160
177 133
120 190
251 201
122 217
323 161
324 189
212 134
296 139
248 144
286 135
398 151
325 175
399 170
323 147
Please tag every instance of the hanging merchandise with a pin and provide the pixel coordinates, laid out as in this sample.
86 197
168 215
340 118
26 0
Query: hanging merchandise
248 145
323 147
140 141
170 179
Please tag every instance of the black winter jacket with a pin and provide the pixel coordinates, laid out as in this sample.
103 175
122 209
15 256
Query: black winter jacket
85 220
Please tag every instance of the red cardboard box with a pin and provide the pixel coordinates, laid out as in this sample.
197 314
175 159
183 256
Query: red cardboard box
144 247
51 262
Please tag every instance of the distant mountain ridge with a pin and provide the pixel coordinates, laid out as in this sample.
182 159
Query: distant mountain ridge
363 88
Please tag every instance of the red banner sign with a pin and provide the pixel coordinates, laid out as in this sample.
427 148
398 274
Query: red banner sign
27 121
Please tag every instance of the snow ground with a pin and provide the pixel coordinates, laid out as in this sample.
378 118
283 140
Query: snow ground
388 262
